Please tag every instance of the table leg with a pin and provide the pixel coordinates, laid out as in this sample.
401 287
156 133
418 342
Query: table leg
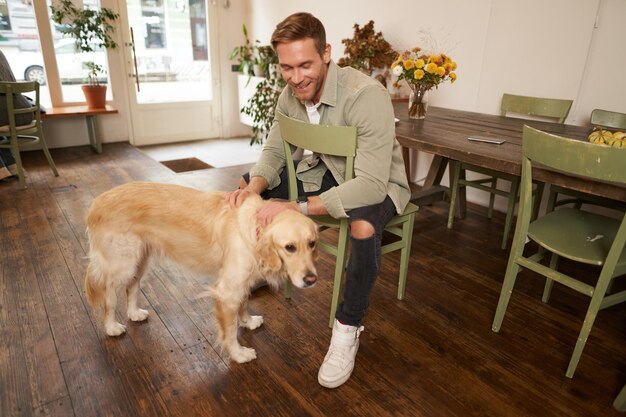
432 190
91 129
407 162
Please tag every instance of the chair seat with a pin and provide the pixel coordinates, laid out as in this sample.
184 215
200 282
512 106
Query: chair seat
576 234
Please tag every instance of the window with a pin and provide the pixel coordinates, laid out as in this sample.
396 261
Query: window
20 43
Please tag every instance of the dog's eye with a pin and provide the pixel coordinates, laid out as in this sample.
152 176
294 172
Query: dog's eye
290 248
312 244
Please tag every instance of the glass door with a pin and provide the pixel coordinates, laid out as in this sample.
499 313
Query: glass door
172 71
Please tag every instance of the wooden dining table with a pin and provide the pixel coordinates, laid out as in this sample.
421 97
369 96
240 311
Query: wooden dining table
444 133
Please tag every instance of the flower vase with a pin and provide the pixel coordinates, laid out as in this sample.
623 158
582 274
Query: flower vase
418 103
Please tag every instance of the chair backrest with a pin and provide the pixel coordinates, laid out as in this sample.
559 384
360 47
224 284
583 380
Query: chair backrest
573 156
11 90
610 119
323 139
536 106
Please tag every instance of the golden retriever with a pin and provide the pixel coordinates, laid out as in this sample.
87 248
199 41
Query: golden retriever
199 231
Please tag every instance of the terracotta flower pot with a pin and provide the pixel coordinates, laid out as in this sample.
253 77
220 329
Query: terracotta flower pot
95 96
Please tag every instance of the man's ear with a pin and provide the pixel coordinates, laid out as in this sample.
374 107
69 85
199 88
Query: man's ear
268 253
326 56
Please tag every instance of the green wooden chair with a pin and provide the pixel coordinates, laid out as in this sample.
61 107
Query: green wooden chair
531 106
620 401
342 141
608 119
568 232
14 137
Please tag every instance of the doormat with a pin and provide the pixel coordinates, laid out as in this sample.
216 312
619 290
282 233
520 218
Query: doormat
186 164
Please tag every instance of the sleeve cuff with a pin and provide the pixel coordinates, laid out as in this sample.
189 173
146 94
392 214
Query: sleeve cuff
333 204
270 174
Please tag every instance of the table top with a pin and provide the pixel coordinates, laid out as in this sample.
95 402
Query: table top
444 132
77 111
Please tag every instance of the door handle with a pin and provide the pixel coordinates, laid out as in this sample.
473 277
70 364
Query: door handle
132 45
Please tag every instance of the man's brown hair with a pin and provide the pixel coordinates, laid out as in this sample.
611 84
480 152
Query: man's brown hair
300 26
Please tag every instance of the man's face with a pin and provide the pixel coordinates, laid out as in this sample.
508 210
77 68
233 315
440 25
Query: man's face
303 68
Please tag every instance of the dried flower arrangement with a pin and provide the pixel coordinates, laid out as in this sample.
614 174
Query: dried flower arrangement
367 50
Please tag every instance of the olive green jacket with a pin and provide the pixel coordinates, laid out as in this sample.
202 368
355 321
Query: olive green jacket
350 98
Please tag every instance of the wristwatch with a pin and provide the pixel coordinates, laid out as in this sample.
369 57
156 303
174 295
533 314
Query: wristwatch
304 205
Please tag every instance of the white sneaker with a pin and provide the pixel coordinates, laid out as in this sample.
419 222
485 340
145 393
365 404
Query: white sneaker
339 361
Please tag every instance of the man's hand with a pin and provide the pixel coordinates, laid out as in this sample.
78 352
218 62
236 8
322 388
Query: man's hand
266 214
237 197
256 186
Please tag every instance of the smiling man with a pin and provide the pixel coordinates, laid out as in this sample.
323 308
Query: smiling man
320 92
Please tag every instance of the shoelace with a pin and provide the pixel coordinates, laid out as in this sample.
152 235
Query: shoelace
340 346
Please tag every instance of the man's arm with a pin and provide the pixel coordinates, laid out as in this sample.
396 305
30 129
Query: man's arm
267 213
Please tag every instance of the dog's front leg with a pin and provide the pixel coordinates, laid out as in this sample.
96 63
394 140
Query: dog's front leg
226 312
246 320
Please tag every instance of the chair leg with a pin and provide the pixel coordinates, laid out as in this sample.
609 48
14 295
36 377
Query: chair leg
505 295
620 401
547 289
15 150
509 212
405 254
342 249
492 197
592 312
48 156
551 201
512 269
288 290
538 196
454 192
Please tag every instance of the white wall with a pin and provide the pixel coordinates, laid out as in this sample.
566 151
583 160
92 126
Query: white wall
535 47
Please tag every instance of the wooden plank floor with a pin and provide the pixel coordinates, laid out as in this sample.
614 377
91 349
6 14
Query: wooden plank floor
432 354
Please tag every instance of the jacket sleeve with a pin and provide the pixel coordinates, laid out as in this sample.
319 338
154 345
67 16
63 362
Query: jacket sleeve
272 159
372 113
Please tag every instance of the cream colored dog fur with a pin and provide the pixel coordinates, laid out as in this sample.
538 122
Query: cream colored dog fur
199 231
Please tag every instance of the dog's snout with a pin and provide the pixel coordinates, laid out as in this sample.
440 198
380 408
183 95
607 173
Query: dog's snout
310 279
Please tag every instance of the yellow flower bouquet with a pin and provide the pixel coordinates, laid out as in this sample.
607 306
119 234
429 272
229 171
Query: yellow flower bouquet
422 72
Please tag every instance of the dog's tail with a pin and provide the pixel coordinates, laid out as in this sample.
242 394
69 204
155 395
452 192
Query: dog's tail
94 285
94 281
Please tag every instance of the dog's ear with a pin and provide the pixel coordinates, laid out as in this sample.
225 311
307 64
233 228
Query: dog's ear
268 254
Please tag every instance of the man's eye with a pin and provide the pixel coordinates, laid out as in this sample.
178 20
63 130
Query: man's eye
290 248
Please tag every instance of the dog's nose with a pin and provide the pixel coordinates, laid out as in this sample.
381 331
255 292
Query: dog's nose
310 279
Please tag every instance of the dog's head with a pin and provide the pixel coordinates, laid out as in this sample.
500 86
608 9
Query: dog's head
288 246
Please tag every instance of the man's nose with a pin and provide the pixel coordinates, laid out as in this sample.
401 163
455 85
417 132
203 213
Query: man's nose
296 76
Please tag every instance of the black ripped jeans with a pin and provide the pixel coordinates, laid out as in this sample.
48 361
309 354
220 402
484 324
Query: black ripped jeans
364 258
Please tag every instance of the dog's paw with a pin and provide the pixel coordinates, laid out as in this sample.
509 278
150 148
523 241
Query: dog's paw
138 315
115 329
253 322
243 354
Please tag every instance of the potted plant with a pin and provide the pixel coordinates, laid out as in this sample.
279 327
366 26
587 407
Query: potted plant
367 51
91 29
264 60
244 54
260 107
